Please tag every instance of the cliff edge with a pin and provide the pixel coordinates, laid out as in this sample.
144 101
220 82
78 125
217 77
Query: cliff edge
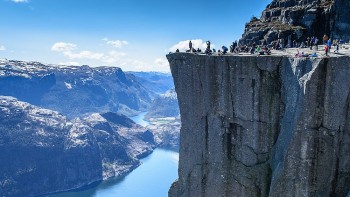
262 125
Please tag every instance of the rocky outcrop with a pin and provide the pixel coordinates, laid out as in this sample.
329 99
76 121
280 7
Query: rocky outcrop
298 19
164 118
44 152
166 132
262 126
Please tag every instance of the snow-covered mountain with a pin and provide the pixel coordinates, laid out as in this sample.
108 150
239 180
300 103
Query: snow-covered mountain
154 81
166 105
74 91
61 127
42 151
164 115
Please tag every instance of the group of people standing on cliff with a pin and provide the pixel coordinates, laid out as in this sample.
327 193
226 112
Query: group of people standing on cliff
235 47
265 49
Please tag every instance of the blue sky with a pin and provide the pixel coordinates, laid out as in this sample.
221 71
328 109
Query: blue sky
131 34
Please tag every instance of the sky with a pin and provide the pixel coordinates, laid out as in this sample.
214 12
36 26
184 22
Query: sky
134 35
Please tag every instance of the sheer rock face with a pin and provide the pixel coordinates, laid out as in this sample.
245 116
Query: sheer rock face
262 126
299 19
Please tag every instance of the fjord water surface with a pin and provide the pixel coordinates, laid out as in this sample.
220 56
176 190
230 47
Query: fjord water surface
152 179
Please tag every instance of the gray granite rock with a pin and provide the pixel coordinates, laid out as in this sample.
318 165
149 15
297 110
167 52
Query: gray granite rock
262 126
299 19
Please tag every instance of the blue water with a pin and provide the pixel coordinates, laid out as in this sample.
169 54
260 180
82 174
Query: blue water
139 119
152 179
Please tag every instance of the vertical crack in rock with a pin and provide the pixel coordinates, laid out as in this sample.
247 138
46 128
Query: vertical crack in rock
262 126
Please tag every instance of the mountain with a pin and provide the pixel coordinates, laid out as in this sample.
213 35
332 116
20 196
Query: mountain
73 91
166 132
156 82
298 19
166 105
43 152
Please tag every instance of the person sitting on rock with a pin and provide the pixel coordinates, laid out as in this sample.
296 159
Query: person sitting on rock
252 50
231 48
177 50
258 49
219 53
199 50
224 49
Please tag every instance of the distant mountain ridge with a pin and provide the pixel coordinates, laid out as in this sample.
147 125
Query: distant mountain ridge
166 105
74 91
155 81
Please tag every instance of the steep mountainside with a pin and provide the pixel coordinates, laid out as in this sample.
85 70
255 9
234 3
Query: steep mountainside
166 105
73 91
299 19
262 125
44 152
157 82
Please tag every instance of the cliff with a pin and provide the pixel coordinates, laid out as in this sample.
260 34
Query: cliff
262 125
44 152
299 19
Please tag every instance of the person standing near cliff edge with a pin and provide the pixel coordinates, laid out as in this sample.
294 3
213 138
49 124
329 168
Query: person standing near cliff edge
208 45
329 43
325 38
326 49
207 50
190 45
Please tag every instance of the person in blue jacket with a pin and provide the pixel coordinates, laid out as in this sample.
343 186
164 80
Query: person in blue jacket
224 49
329 43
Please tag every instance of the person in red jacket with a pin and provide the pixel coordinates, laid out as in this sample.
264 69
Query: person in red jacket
326 49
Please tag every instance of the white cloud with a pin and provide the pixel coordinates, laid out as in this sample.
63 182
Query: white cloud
196 43
20 1
161 62
109 58
113 57
69 63
68 48
69 51
63 46
115 43
83 55
2 48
